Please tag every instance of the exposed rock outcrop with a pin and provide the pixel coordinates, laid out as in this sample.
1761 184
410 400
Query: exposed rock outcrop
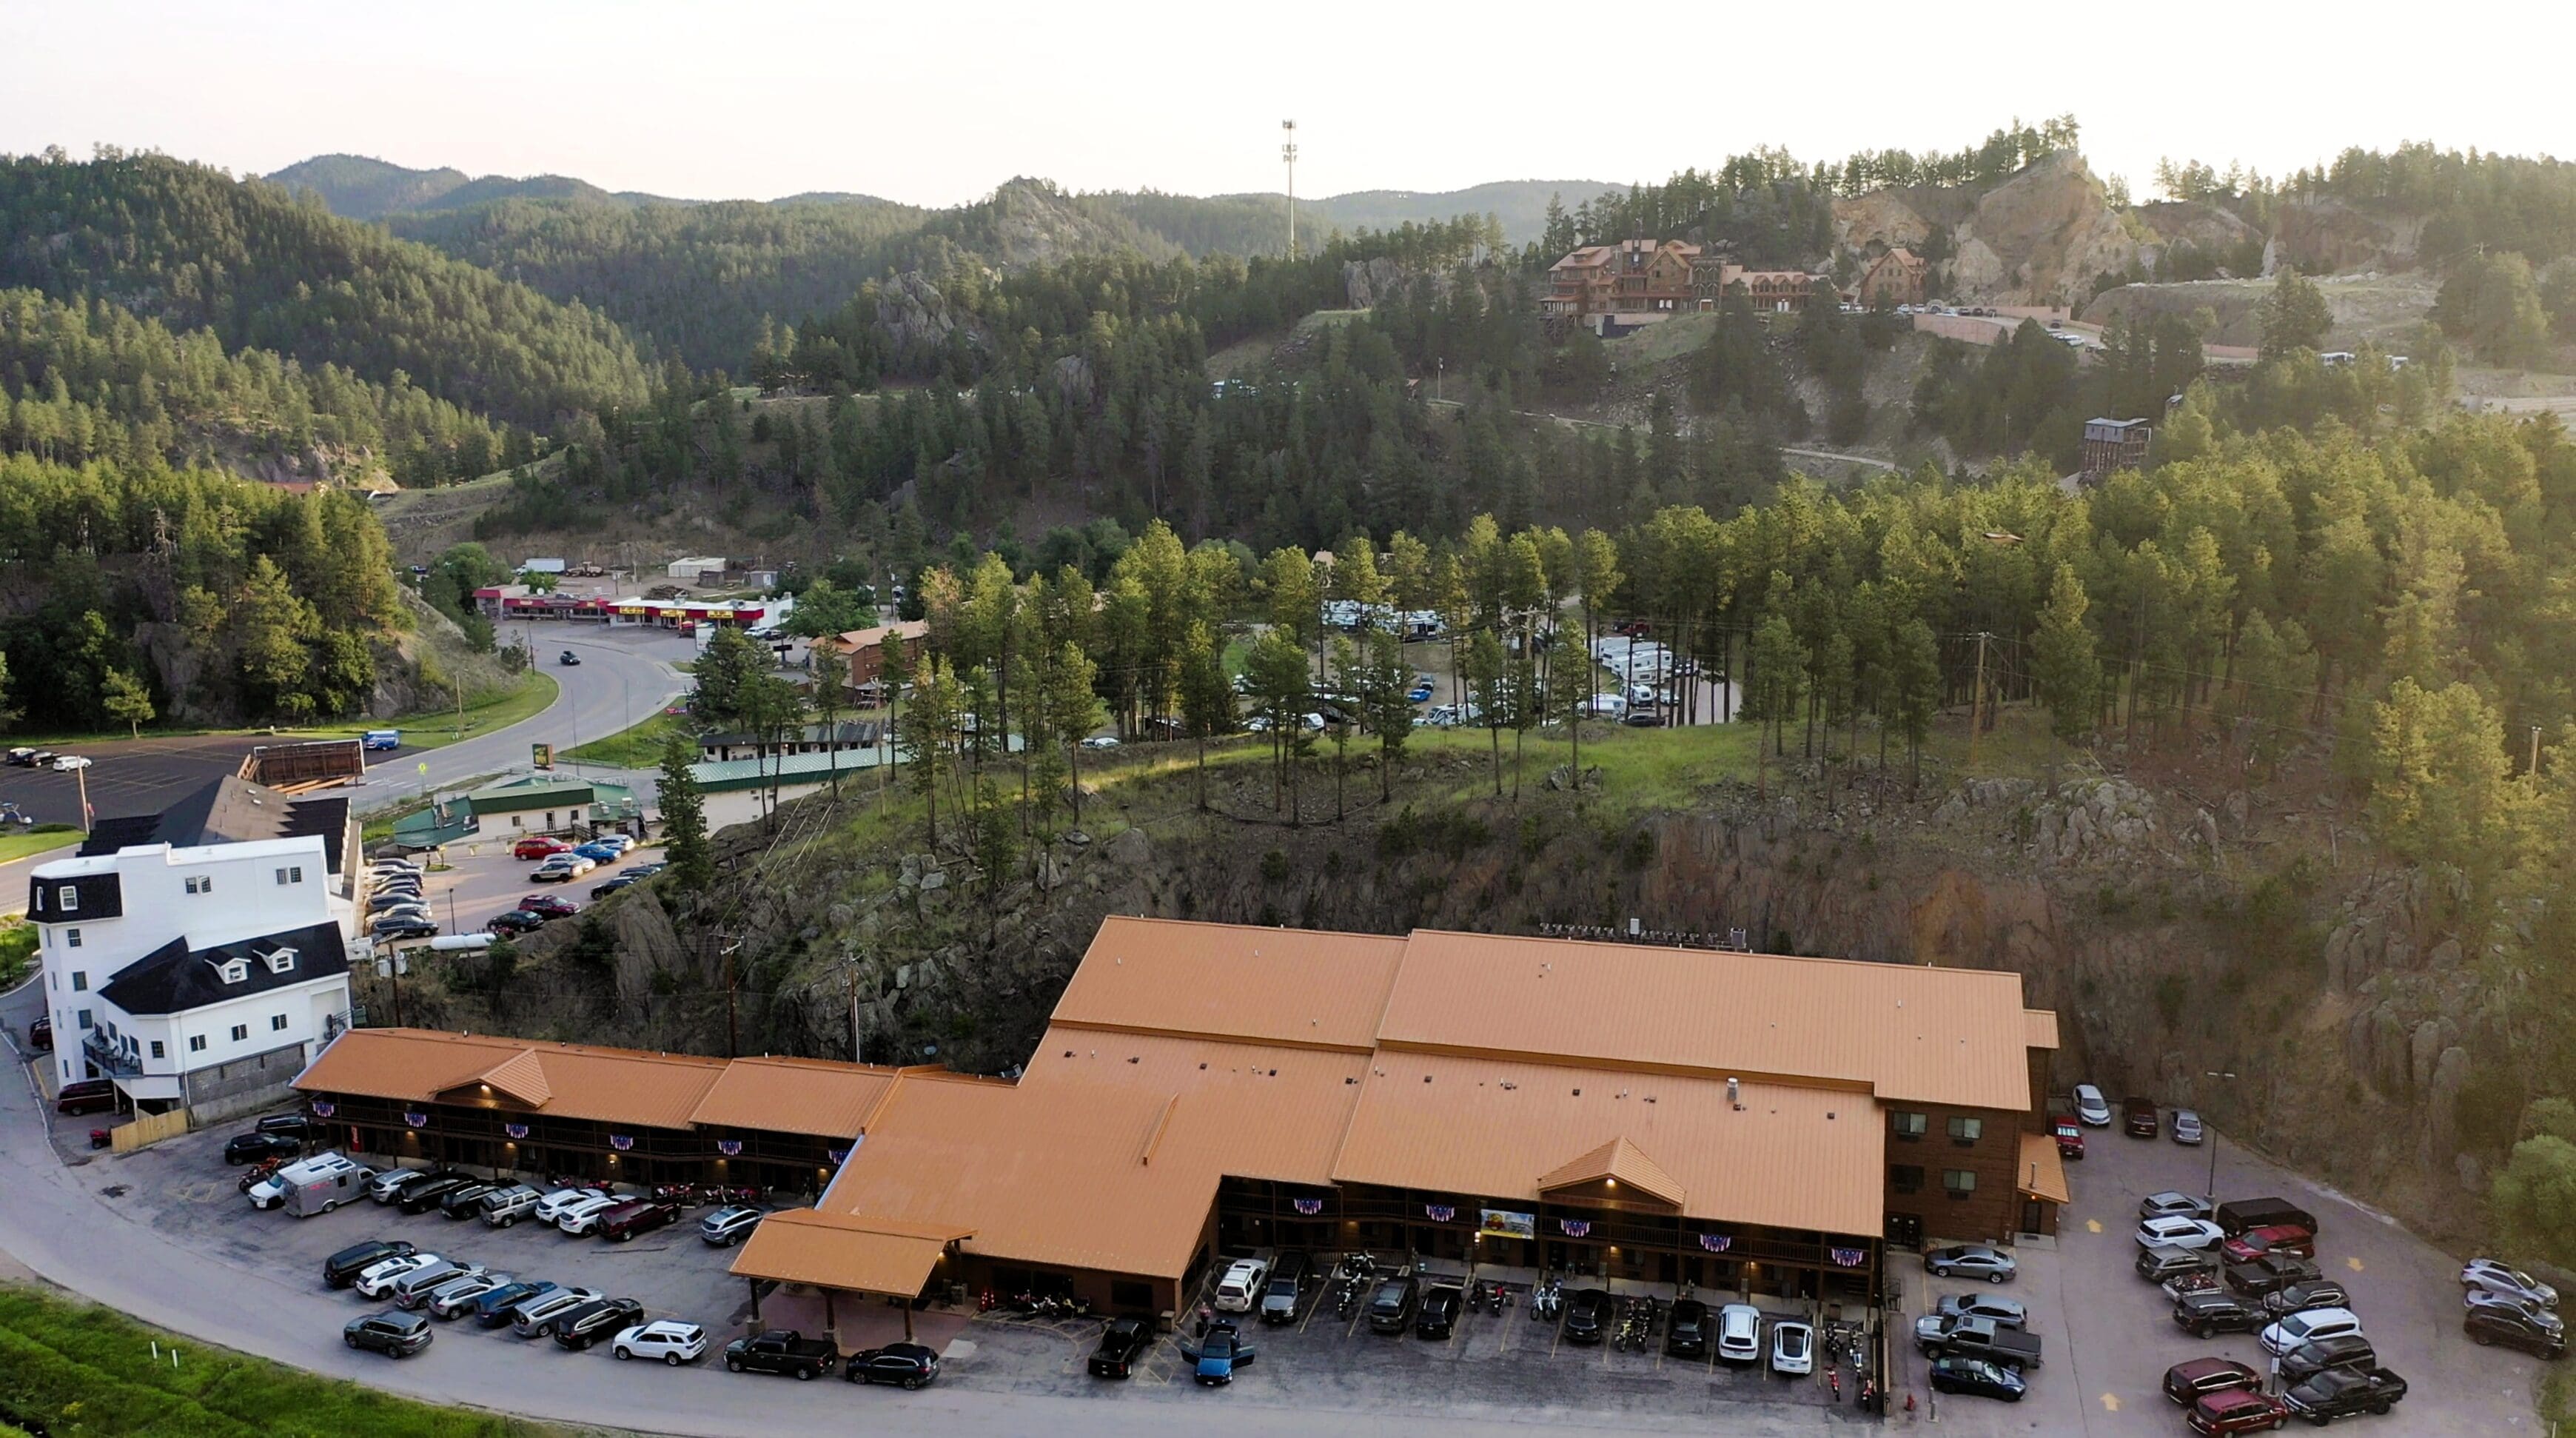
2041 236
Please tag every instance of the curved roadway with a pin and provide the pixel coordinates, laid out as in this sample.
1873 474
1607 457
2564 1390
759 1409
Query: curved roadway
625 677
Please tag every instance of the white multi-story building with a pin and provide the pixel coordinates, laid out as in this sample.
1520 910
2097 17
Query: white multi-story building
197 958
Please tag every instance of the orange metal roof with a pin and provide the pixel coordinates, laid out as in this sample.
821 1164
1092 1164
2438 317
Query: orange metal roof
1255 1111
1903 1031
2039 1028
1280 986
1053 1174
785 1095
582 1081
1618 1162
860 1255
2043 1173
523 1077
1503 1130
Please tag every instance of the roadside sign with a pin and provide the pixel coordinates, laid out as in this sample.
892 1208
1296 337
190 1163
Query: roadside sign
542 755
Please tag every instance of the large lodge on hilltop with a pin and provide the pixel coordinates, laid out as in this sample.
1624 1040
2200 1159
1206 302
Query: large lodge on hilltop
1631 283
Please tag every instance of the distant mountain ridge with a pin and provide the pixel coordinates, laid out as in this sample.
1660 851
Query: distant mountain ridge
362 188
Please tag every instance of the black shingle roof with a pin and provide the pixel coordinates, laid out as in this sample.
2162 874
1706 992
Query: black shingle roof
229 811
175 977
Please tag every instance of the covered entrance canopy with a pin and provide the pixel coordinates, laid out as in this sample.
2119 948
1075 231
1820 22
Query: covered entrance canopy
847 1253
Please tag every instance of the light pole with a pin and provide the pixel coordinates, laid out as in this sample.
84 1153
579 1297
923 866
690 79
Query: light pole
2212 1134
1288 154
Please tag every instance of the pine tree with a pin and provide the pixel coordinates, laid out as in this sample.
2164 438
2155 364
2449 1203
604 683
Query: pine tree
124 697
2063 667
684 819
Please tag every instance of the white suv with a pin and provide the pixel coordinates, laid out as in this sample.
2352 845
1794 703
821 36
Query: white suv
2313 1326
1241 1286
2195 1234
552 1206
582 1217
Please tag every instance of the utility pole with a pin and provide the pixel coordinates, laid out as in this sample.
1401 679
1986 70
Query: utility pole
2212 1132
1288 154
2534 770
733 1040
1976 701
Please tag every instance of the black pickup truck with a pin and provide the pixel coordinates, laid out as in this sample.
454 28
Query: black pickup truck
2342 1392
781 1350
1938 1335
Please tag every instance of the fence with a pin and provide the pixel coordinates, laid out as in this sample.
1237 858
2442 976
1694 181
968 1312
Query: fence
148 1128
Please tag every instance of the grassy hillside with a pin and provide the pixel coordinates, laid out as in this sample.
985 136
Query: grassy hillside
194 248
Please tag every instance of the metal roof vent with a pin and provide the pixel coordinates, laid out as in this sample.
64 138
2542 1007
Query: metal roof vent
1732 1091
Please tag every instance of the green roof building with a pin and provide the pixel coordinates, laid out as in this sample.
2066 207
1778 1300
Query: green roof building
527 804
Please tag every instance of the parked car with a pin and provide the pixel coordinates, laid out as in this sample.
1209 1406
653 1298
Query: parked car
536 1317
1283 1298
1686 1332
1971 1260
906 1365
2301 1364
493 1309
2186 1126
2006 1312
600 1318
622 881
2208 1314
1587 1313
562 869
2069 1136
2091 1107
622 1223
2235 1410
86 1096
2270 1274
2298 1329
2239 1214
2170 1204
1976 1376
413 1288
2178 1233
538 846
2299 1297
466 1201
2253 1243
552 1206
599 853
396 1335
424 1195
342 1268
553 906
1240 1289
1121 1344
2495 1277
388 901
668 1339
2189 1381
507 1206
1937 1336
582 1218
1739 1333
1390 1309
2138 1117
2343 1392
385 1187
22 758
515 921
377 1279
1101 742
252 1147
2519 1325
411 925
1437 1316
1793 1348
622 843
729 1225
40 1034
1217 1352
780 1350
457 1297
66 763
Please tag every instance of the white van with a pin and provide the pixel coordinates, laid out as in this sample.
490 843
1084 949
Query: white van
321 1183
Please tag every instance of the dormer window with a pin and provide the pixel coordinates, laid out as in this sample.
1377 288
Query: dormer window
280 960
67 899
233 971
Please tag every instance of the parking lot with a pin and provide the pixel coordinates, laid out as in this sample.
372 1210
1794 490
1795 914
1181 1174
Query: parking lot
481 879
126 776
2109 1335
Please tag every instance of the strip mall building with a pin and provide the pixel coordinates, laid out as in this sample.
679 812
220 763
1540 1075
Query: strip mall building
1742 1121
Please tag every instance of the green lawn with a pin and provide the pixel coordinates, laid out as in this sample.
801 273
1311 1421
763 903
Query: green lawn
636 748
17 845
496 709
73 1368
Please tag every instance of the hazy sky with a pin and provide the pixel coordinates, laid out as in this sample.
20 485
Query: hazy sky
936 104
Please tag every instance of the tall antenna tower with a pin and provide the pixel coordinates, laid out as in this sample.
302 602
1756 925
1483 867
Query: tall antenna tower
1288 153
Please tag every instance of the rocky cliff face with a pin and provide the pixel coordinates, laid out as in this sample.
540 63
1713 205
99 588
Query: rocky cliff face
2041 236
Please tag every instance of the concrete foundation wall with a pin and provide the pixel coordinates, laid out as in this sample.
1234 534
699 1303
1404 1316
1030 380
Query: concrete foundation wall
244 1085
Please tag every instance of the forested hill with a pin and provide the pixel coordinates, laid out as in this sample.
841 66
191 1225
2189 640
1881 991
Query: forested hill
193 248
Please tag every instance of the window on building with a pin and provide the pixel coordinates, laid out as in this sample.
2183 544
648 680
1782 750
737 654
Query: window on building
156 1048
280 960
292 874
518 821
201 883
1905 1177
84 1019
1961 1182
240 1032
196 1043
1964 1131
67 899
1907 1126
277 1023
71 938
234 970
80 981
